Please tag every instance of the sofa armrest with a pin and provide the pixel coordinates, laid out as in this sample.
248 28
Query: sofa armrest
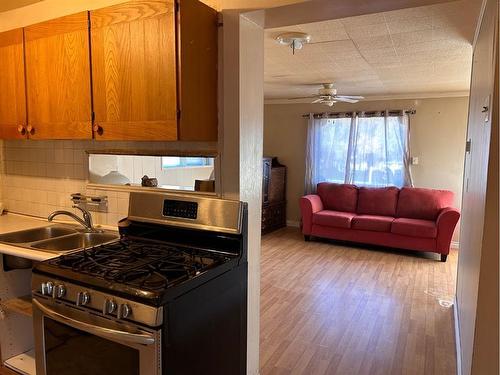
309 204
446 223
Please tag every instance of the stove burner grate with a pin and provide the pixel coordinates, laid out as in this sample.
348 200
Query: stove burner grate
145 265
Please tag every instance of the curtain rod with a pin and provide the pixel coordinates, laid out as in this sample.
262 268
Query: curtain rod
359 113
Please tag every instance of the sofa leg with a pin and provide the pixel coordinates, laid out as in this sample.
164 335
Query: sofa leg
443 257
307 238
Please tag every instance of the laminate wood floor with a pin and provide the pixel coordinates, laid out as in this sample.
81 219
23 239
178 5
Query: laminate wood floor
334 309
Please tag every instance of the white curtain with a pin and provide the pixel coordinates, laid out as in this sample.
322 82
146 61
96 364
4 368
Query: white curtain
363 150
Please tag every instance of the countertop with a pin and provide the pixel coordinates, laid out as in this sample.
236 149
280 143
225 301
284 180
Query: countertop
11 222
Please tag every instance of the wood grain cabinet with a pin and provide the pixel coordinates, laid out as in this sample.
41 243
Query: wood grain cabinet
12 86
154 71
140 70
58 78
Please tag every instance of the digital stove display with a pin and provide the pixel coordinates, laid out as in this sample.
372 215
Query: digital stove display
173 208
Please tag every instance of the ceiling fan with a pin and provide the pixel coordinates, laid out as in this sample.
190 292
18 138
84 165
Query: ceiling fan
327 95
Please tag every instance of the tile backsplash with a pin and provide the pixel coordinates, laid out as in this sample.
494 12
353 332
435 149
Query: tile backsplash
37 177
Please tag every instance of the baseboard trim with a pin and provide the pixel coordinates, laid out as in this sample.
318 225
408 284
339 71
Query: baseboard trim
457 338
293 223
455 245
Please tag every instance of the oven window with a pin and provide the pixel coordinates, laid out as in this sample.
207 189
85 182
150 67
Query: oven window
69 351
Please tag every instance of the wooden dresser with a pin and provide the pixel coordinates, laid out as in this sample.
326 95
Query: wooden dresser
273 195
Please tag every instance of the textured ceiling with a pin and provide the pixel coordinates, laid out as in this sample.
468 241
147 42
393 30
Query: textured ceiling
417 50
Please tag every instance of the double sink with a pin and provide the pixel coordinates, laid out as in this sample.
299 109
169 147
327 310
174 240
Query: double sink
57 238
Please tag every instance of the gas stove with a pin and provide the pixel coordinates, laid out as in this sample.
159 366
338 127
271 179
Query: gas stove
140 269
176 278
150 266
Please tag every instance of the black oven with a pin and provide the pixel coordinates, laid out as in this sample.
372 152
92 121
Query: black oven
70 341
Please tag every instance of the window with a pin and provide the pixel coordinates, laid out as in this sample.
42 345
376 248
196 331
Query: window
179 162
366 151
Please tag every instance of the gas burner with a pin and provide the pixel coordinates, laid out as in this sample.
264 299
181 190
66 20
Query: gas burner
146 265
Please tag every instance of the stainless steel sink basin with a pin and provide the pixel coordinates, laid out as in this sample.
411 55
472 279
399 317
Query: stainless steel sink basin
75 241
36 234
57 238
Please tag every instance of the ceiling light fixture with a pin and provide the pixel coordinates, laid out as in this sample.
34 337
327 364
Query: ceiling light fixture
294 40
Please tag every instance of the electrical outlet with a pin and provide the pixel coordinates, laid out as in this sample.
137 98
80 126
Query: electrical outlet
414 160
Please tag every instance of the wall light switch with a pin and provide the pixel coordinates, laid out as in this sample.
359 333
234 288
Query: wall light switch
414 160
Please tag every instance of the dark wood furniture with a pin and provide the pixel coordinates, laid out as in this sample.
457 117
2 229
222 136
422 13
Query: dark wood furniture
273 195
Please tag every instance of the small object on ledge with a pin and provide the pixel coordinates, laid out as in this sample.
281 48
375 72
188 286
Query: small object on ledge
149 182
207 186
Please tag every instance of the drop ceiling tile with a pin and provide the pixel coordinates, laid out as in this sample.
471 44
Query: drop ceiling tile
410 25
428 50
404 39
376 42
367 19
380 55
366 31
325 31
409 13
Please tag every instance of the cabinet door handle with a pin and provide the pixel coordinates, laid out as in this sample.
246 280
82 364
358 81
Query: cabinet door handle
98 129
21 129
30 129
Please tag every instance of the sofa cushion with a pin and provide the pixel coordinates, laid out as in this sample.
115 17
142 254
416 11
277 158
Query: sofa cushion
338 197
414 227
378 201
425 204
372 222
333 219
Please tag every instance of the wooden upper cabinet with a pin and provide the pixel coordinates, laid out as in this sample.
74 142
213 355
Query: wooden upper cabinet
134 70
12 85
198 25
154 71
58 78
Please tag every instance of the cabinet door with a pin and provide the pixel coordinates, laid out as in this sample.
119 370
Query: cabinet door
198 71
134 71
12 92
58 78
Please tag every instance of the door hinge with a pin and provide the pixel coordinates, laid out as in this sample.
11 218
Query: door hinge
468 146
93 116
177 6
178 114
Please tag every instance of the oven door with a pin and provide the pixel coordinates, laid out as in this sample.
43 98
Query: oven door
69 341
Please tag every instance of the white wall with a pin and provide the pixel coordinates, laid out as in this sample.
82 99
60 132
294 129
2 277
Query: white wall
241 144
37 177
437 137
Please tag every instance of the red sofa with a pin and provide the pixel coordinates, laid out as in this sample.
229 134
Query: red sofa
407 218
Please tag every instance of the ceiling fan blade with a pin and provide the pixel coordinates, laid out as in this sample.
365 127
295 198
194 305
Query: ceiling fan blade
354 97
303 97
319 100
346 100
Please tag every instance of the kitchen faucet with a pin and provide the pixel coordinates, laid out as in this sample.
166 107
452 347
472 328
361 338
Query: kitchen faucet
86 222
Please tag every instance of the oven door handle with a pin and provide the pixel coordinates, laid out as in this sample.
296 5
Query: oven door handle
136 338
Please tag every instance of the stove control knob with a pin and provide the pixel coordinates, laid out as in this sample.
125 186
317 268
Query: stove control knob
109 307
47 288
125 311
82 298
59 291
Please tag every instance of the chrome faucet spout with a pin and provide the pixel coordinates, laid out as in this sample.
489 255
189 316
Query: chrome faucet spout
86 222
